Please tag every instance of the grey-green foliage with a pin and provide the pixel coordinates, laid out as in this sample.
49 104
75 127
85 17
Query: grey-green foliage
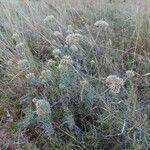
31 118
69 78
28 118
69 118
46 124
89 93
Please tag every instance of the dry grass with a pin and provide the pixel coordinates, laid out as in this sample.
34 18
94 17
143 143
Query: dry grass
89 109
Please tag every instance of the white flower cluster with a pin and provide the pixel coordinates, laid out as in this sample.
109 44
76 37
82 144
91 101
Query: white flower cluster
45 76
92 62
83 82
65 61
23 64
49 18
30 76
9 62
130 74
61 86
74 48
70 29
73 39
42 107
15 36
56 52
54 42
50 62
58 34
19 45
102 24
114 83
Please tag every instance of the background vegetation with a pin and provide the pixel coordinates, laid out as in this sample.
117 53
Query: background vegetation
70 82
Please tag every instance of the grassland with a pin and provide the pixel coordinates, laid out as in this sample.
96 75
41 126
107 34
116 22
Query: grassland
75 75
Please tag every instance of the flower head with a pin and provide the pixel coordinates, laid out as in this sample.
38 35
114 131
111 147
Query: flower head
23 64
45 76
74 48
114 83
58 34
30 76
61 86
65 61
19 45
49 18
92 62
70 29
83 82
56 52
15 36
50 62
46 73
130 73
9 62
54 42
102 24
42 107
73 38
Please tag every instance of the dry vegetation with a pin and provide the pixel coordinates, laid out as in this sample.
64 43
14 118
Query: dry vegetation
74 74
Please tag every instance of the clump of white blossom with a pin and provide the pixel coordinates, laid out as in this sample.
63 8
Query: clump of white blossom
78 31
42 107
70 29
45 76
61 86
15 36
30 76
9 62
83 82
56 52
130 74
92 62
49 18
74 48
23 64
73 39
102 24
64 62
58 34
54 42
50 62
114 83
43 110
19 45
